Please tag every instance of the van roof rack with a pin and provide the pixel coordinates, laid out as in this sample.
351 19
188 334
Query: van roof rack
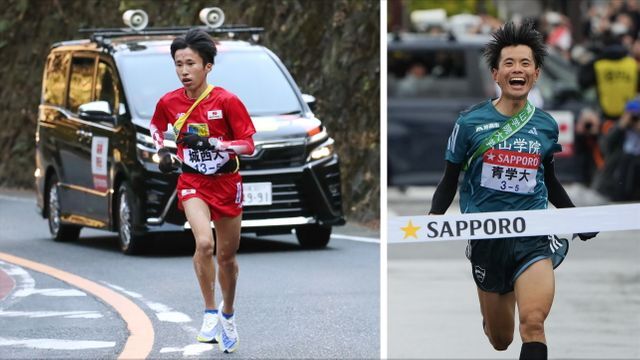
102 36
174 30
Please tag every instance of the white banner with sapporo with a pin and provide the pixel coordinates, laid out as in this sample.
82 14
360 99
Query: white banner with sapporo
505 224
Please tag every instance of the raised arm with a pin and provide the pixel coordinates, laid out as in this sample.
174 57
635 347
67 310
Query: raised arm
557 194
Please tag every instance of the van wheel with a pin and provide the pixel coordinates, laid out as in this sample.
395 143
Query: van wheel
130 243
59 231
313 236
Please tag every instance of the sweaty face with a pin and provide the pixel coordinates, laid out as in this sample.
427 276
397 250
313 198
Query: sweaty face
191 69
516 72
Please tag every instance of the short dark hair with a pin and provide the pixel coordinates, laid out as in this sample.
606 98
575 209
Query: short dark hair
512 35
198 41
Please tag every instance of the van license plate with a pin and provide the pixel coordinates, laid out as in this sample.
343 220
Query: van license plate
256 194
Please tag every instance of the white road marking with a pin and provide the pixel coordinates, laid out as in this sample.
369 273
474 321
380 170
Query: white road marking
14 198
57 344
42 314
132 294
174 317
163 312
49 292
189 350
167 314
356 238
23 282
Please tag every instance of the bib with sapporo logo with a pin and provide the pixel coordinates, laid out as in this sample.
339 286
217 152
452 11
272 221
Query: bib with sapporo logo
510 171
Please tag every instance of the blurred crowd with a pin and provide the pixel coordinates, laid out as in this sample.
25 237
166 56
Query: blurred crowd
607 59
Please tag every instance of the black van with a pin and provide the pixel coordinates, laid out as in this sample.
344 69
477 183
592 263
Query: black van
95 159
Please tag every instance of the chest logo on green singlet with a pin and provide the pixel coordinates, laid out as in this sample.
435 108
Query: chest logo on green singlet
486 127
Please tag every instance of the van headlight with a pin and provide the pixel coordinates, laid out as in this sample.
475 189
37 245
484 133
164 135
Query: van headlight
324 150
146 149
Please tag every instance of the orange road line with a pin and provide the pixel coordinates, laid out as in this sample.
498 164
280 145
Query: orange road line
140 341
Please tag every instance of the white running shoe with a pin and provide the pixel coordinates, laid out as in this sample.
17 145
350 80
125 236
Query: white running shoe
228 339
210 328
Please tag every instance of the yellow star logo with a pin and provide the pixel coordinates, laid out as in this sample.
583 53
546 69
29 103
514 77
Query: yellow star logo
410 230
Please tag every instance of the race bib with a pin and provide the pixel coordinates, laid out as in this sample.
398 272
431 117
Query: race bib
206 162
509 171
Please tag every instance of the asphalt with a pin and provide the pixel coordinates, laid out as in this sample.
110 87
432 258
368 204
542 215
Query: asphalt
291 302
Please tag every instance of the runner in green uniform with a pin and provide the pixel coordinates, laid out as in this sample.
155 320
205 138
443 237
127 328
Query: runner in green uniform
506 146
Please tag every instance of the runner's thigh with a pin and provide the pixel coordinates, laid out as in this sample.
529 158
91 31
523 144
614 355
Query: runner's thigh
198 215
535 289
498 311
228 234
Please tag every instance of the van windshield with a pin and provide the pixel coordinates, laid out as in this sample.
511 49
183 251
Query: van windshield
253 76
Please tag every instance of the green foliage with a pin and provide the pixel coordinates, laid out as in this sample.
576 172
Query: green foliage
453 7
22 6
4 25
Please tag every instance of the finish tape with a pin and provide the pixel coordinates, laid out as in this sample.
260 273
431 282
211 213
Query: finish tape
504 224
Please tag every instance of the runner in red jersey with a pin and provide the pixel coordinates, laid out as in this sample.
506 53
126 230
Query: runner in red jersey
216 130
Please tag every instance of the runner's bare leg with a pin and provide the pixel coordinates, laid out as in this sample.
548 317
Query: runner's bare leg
534 295
498 312
228 235
198 215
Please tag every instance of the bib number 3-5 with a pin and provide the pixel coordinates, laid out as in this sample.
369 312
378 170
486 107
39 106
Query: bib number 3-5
509 171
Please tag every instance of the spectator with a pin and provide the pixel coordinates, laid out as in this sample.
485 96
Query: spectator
415 82
559 37
620 178
615 75
588 154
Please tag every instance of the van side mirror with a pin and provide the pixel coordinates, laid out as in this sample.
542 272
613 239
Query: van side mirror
96 111
310 100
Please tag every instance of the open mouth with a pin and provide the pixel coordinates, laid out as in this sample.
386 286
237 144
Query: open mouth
186 81
517 81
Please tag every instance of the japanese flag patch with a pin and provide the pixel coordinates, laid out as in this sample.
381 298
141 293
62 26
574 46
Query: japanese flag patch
214 114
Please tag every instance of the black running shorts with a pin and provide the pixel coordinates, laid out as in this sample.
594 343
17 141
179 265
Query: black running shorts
497 263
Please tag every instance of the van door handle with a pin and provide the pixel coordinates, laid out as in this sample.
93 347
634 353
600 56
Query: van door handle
84 134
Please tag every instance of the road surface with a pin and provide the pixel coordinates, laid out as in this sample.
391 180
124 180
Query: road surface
291 303
434 312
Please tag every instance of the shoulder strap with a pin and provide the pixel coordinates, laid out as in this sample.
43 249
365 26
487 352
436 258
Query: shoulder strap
510 127
180 122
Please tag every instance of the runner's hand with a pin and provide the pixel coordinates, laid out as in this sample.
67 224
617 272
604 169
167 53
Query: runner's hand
587 236
218 145
193 141
166 163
